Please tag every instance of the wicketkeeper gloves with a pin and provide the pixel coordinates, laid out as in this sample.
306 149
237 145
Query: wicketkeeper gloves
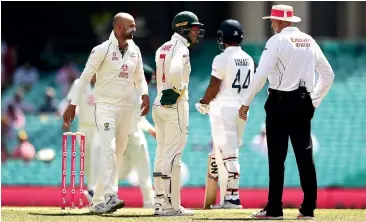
171 96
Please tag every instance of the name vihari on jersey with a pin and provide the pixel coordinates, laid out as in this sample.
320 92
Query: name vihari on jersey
241 62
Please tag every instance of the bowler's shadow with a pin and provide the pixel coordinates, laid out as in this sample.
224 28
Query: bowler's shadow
126 216
238 219
61 214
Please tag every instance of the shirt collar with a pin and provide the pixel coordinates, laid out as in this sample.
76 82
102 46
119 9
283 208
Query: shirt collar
290 28
232 48
113 39
181 38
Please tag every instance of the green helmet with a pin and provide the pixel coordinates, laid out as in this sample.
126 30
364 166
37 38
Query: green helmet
184 21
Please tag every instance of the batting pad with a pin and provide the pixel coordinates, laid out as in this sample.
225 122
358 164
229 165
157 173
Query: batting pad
175 182
223 175
158 183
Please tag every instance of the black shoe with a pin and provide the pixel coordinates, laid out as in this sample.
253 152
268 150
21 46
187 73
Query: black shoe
303 215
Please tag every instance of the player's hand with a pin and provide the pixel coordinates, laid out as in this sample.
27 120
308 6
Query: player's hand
69 116
152 132
66 127
145 105
202 108
243 111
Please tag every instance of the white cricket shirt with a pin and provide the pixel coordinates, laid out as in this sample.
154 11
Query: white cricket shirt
289 57
235 69
117 75
173 66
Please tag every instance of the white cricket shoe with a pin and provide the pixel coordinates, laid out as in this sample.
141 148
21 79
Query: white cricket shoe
98 208
114 203
158 205
169 211
228 204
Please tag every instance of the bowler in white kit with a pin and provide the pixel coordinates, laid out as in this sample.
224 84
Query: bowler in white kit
118 66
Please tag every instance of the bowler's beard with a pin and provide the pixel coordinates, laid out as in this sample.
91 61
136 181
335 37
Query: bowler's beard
129 36
129 33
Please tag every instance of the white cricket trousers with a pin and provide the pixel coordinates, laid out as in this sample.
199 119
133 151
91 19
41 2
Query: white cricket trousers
113 123
137 157
227 128
171 126
92 153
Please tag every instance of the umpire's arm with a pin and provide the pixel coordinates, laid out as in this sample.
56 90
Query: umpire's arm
326 77
266 63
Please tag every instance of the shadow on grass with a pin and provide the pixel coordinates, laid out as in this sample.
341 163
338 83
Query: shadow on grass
127 216
61 214
236 219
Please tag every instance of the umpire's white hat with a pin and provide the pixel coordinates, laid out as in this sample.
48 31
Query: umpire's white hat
283 13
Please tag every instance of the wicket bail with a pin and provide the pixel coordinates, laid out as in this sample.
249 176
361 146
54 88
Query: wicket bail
73 169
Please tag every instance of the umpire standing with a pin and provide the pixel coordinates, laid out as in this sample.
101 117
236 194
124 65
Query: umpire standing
289 60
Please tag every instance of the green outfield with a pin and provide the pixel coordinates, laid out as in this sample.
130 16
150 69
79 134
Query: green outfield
136 214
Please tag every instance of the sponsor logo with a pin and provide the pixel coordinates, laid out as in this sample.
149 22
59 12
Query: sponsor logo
106 126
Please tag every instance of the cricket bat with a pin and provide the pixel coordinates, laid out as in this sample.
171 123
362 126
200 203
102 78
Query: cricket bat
211 182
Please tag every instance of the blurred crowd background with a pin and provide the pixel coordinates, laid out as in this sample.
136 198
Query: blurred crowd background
44 47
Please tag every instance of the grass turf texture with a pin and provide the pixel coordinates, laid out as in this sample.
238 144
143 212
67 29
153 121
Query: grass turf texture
137 214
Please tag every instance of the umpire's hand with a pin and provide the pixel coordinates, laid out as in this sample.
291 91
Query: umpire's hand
243 111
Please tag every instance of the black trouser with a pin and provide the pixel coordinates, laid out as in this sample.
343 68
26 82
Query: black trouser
289 115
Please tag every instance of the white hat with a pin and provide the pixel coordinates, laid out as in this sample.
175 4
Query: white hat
283 13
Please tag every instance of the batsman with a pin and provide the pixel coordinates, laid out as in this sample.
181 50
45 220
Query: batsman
171 112
232 71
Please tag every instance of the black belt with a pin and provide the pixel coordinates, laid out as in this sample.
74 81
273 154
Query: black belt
300 91
278 92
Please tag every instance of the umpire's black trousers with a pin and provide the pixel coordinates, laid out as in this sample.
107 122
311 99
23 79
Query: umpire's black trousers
289 115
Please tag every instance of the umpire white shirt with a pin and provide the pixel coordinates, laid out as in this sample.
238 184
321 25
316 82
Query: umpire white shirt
291 57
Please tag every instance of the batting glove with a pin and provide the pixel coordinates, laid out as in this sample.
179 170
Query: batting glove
202 108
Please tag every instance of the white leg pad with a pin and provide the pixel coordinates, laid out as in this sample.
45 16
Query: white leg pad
233 169
158 183
175 182
223 175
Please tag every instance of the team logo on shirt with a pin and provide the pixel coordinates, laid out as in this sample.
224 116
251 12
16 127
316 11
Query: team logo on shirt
124 73
114 56
132 54
124 67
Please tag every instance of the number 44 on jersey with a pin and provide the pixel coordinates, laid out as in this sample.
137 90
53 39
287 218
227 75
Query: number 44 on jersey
237 84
